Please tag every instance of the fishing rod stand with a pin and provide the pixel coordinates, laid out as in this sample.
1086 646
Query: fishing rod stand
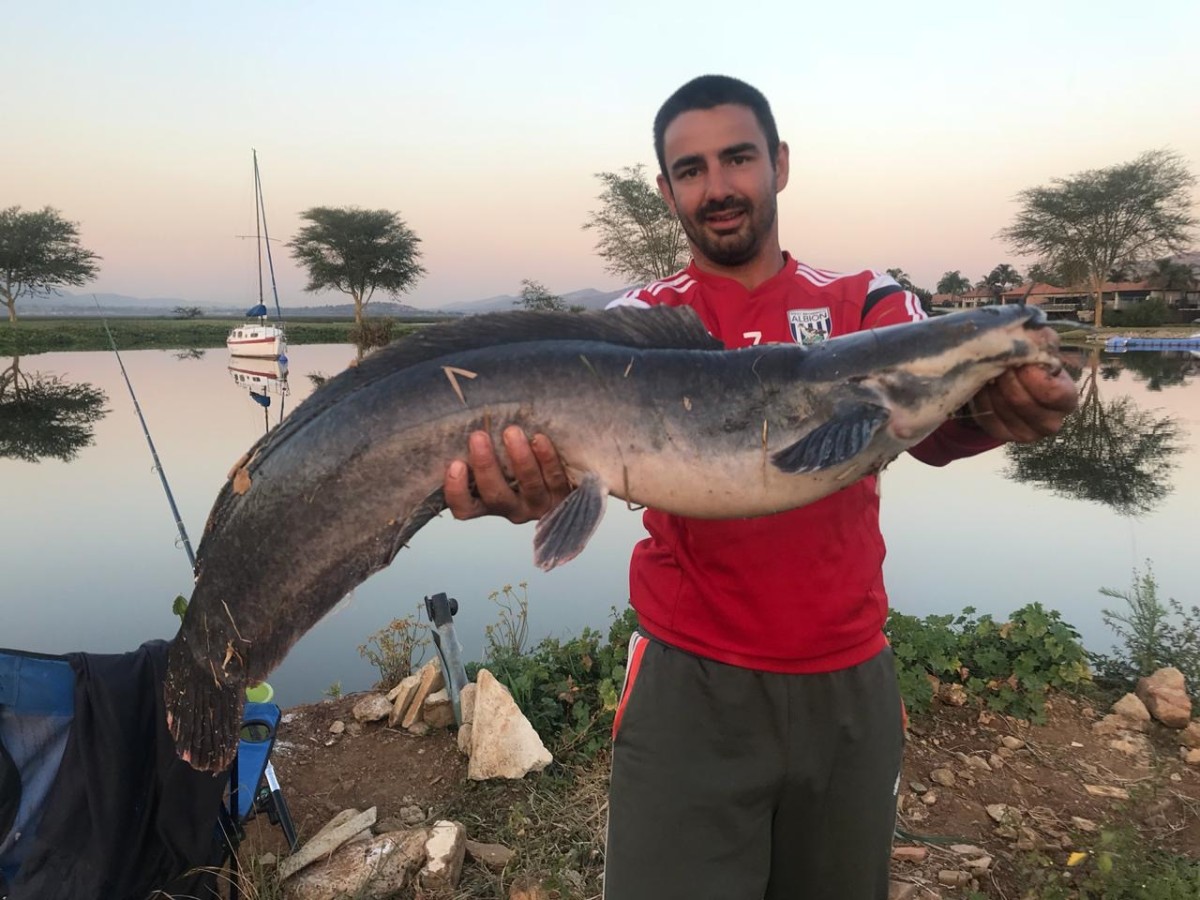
441 611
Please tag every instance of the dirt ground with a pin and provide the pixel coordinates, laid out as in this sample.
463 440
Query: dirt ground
554 821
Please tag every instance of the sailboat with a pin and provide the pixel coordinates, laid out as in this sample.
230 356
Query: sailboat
260 339
263 378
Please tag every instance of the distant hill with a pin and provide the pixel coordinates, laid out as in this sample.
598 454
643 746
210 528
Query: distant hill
67 304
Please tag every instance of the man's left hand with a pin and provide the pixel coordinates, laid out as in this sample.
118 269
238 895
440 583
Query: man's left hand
1025 404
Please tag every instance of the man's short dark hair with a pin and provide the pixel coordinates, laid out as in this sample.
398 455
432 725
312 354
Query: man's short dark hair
706 92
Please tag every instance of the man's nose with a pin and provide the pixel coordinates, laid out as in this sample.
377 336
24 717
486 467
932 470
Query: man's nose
717 185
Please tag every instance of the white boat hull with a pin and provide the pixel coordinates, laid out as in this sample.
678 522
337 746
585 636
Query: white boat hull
260 341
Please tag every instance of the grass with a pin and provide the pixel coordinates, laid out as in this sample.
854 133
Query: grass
61 334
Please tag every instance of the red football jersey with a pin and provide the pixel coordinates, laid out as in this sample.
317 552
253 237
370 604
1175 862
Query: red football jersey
800 591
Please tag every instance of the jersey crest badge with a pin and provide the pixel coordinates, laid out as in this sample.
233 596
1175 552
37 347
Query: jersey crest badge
810 326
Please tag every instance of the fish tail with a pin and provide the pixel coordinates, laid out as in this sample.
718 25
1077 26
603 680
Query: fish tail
204 715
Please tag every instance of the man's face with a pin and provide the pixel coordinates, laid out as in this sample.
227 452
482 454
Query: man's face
722 182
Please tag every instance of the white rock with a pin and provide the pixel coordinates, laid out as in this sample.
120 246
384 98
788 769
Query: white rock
503 743
1012 743
401 695
326 841
1165 695
466 700
368 870
337 727
372 708
1131 707
438 711
464 738
431 680
444 851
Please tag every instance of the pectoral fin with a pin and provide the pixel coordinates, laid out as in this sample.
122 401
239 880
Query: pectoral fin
564 531
841 438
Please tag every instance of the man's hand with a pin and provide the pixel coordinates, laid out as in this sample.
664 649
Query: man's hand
1025 404
541 480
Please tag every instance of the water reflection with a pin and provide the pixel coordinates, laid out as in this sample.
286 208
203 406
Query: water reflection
44 417
265 379
1110 452
189 353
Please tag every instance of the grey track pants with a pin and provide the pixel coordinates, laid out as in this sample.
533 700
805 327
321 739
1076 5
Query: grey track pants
734 784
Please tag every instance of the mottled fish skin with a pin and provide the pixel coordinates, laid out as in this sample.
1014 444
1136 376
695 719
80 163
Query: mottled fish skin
642 404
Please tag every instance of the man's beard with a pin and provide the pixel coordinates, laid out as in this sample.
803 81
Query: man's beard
735 248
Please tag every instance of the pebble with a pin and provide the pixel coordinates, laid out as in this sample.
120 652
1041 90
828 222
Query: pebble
954 878
910 854
929 798
944 777
917 787
1012 743
337 727
996 762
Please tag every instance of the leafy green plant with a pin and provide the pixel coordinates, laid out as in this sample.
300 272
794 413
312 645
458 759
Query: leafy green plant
334 691
396 649
568 689
1008 666
1153 634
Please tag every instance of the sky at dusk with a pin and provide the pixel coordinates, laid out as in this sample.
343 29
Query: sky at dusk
912 126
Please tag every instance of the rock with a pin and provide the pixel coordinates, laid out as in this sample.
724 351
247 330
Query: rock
525 887
902 890
1087 712
967 850
267 860
954 878
979 865
953 694
1165 696
944 777
373 869
1105 790
1087 826
438 711
354 729
466 702
401 695
995 761
371 708
1012 743
1190 736
431 680
1131 745
337 727
1175 776
1005 753
327 840
464 738
1114 724
412 815
1190 755
910 854
418 729
1131 707
929 798
978 763
503 743
1002 813
444 850
494 856
917 788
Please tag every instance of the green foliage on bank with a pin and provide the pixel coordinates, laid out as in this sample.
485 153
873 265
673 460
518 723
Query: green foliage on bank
1006 666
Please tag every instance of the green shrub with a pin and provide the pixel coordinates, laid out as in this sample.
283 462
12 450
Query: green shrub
373 333
1008 666
1148 313
568 689
1153 634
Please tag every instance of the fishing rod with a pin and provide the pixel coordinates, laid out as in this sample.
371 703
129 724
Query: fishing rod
162 475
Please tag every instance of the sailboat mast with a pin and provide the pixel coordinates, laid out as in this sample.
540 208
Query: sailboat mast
258 226
262 208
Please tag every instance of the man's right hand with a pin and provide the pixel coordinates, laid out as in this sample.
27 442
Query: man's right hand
541 479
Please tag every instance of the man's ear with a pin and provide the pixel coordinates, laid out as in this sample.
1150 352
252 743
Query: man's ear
781 166
664 188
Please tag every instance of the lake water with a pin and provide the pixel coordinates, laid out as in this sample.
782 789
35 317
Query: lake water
91 559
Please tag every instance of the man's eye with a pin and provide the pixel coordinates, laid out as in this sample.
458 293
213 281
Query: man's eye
739 160
687 173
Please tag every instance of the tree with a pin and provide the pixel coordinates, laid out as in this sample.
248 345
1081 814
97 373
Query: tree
42 416
535 295
357 251
187 312
902 279
1111 453
1100 219
637 235
1002 278
1169 275
38 252
1044 273
954 283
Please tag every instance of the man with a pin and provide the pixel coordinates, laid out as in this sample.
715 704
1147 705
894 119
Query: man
758 742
